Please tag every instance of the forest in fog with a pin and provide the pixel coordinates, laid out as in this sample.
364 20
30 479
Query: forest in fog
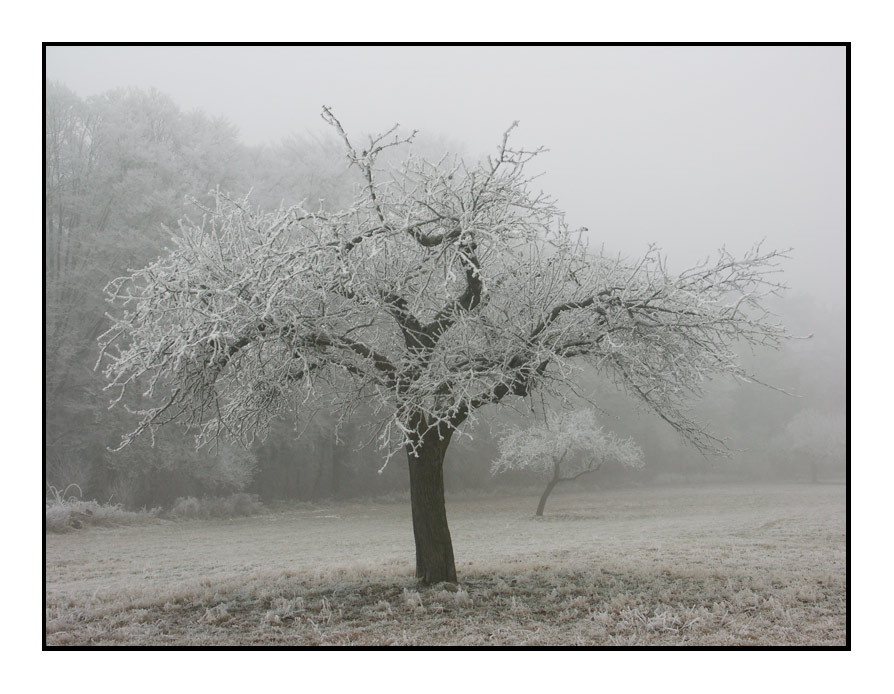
124 167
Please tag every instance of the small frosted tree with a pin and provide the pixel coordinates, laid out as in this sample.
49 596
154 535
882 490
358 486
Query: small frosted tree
566 446
445 287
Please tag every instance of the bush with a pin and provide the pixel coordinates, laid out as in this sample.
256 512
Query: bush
64 513
232 506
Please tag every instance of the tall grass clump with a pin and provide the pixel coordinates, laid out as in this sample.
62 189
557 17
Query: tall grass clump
64 512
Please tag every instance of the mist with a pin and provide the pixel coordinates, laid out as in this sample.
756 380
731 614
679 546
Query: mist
659 157
685 147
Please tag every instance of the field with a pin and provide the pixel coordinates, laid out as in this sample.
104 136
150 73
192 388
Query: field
709 566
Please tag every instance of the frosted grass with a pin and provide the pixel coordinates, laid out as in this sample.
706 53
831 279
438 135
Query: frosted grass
700 566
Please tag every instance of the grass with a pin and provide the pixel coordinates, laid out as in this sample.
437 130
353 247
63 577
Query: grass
64 512
711 566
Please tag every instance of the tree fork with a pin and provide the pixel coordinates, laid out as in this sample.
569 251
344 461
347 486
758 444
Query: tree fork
434 549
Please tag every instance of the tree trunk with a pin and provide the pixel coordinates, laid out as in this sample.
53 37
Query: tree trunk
546 493
552 483
434 550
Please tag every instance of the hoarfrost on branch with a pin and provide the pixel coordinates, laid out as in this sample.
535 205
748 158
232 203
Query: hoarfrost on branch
574 440
445 287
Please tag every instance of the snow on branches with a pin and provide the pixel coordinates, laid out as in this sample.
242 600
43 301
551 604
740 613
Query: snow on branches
445 287
566 446
573 439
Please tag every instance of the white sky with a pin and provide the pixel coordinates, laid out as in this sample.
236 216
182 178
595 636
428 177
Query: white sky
687 147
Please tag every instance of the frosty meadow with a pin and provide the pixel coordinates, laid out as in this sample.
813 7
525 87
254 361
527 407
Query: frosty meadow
446 287
707 565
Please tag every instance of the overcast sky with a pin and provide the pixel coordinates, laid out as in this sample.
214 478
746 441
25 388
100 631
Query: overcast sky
687 147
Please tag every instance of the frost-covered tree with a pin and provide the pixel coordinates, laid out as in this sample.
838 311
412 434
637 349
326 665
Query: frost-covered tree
443 288
566 446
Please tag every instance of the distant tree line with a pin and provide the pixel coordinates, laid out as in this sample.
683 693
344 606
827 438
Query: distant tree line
119 168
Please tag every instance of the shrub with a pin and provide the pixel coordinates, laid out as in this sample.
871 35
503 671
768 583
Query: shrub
232 506
64 512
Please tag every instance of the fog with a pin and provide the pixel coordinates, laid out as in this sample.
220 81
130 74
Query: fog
688 148
635 447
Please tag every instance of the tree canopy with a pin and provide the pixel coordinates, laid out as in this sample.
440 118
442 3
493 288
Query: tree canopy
444 287
574 438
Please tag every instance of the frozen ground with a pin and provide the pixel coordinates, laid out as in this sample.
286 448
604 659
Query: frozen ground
699 566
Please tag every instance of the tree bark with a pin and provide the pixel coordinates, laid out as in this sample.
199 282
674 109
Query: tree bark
545 495
549 487
434 549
